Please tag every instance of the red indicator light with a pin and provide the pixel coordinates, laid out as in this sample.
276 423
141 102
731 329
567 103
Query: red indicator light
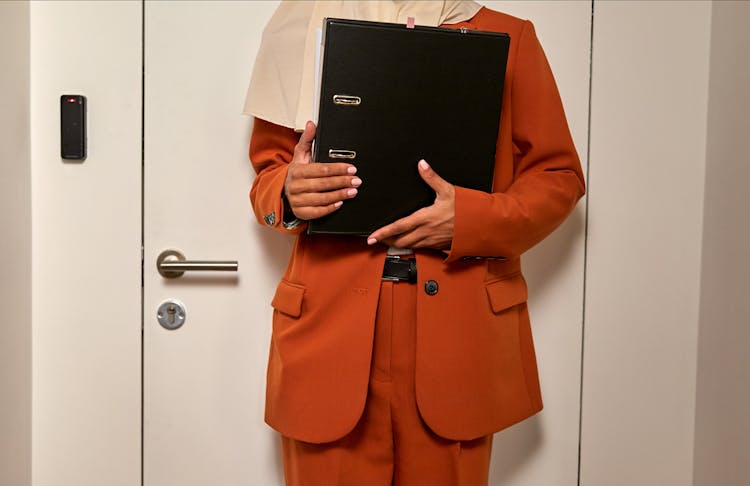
71 100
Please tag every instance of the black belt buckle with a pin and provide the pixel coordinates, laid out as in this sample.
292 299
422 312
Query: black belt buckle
396 269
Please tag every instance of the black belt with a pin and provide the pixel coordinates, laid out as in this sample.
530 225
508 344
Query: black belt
397 270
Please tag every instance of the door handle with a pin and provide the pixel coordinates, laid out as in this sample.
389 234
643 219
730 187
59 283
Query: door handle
172 264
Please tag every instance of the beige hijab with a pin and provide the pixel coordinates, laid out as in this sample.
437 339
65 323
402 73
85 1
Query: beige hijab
282 84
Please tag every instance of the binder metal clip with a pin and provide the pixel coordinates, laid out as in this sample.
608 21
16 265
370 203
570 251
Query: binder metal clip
341 154
347 100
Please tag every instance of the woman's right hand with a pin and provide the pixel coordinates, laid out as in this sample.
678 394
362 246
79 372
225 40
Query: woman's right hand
313 189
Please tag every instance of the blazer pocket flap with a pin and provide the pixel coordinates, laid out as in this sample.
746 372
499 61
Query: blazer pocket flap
507 292
288 298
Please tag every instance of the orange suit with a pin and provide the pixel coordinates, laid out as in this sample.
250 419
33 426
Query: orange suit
475 370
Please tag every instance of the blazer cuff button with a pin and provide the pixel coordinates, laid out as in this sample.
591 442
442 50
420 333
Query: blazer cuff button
270 218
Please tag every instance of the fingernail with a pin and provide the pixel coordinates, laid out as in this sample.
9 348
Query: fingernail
423 165
351 192
371 241
338 204
351 170
356 182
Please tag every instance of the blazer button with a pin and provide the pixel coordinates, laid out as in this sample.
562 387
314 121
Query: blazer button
431 287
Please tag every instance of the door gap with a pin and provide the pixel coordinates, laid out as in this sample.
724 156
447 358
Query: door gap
585 242
143 210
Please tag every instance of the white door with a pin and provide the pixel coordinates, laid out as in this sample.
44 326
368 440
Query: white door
204 381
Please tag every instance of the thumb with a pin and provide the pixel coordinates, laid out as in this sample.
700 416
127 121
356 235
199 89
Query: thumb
304 146
437 183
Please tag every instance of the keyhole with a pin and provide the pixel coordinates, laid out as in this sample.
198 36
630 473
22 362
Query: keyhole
171 315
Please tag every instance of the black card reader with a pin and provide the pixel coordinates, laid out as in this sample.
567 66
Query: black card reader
73 127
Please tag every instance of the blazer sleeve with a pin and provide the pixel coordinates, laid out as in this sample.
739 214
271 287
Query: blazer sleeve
547 180
271 152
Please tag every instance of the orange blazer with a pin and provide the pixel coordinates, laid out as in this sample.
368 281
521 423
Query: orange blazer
476 369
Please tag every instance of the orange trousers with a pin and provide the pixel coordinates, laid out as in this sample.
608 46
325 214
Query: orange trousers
390 445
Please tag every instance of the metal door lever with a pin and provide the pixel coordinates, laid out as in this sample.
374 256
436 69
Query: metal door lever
172 264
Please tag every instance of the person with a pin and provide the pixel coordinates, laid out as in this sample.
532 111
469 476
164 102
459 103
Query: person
394 358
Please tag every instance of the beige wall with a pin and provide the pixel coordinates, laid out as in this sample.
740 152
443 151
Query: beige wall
722 423
15 247
647 164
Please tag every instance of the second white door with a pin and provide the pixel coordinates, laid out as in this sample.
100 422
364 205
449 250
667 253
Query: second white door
204 382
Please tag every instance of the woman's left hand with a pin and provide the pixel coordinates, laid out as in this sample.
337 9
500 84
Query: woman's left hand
429 227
